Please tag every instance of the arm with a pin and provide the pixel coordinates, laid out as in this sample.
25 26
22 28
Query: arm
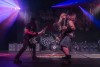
26 31
71 27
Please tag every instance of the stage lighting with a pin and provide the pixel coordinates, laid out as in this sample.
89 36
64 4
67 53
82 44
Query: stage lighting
91 17
17 8
72 3
7 9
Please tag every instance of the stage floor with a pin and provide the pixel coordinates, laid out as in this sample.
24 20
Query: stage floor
50 60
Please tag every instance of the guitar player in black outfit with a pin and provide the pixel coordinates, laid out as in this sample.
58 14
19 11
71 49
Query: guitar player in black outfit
66 28
29 32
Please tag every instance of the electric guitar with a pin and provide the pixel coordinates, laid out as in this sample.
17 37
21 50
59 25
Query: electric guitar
33 39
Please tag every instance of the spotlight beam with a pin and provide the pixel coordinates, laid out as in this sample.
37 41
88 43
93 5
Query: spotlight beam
8 3
8 14
5 15
11 2
91 17
5 4
71 3
7 7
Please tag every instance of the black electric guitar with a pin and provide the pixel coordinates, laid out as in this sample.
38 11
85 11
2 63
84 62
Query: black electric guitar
33 40
60 36
64 32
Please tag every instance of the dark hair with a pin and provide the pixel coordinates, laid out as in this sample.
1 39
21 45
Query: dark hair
71 12
72 16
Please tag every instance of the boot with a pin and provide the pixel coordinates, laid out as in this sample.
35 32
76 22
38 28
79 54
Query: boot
17 61
67 59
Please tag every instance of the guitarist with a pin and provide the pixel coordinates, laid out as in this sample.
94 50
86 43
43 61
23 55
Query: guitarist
66 27
29 32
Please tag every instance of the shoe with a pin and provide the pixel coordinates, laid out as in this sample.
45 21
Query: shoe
66 62
17 61
35 58
68 57
64 57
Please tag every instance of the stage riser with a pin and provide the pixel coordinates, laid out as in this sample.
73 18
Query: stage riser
76 47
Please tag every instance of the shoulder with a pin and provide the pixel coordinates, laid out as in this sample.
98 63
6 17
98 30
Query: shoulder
71 23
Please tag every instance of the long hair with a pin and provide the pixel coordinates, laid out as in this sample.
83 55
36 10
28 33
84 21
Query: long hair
61 19
62 14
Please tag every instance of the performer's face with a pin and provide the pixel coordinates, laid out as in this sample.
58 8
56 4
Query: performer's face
64 16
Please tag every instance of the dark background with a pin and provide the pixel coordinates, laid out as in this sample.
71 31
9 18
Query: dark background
15 33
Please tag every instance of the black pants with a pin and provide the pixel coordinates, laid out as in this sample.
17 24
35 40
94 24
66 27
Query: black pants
26 44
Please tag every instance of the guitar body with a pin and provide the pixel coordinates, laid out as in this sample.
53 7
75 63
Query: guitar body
63 34
33 39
